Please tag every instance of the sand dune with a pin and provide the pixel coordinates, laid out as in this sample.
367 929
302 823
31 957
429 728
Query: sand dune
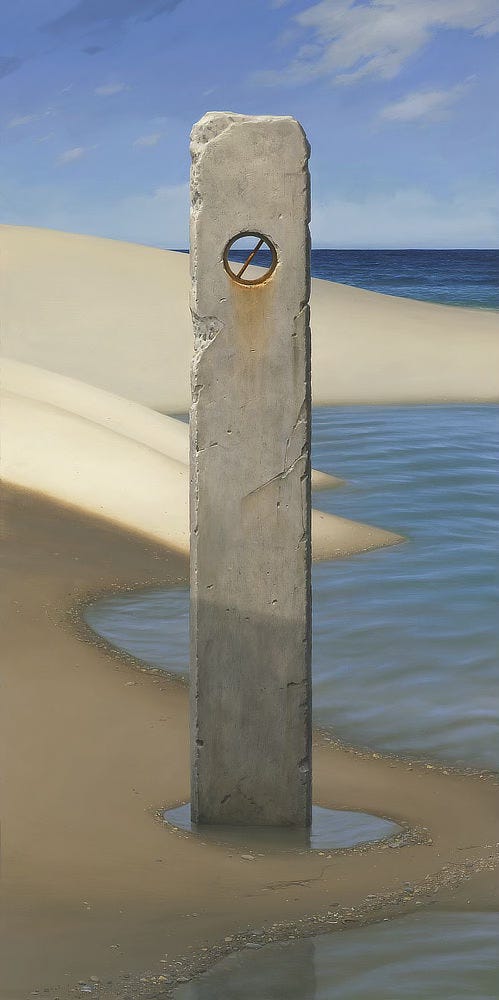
103 341
96 500
121 462
115 315
164 434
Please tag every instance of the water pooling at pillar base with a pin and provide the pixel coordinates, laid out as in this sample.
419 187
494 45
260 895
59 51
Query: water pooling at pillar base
331 829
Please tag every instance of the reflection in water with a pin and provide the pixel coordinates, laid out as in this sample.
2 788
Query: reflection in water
285 973
422 957
331 828
404 659
405 639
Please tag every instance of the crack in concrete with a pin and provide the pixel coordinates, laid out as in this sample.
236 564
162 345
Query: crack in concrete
279 475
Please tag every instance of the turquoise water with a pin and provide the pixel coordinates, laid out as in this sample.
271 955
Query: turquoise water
405 640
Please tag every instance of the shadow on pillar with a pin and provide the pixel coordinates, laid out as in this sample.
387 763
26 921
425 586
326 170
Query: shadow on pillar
251 743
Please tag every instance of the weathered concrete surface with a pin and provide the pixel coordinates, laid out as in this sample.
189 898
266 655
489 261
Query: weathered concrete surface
250 479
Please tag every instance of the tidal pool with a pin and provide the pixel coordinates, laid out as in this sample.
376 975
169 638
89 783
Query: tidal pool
331 829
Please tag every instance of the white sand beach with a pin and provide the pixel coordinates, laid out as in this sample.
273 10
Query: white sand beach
116 315
97 344
123 462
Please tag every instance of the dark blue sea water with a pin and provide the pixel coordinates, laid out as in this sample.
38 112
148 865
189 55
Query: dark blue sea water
405 639
453 277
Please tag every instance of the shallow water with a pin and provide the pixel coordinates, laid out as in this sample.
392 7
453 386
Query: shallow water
405 659
422 957
330 829
405 640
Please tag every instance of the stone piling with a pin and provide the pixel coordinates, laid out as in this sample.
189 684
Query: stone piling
250 475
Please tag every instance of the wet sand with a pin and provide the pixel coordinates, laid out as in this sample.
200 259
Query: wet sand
93 884
93 747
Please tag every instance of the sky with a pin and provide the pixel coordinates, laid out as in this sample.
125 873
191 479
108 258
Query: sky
398 99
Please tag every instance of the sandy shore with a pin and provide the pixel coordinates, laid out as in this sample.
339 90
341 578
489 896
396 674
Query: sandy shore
93 884
122 462
98 341
116 315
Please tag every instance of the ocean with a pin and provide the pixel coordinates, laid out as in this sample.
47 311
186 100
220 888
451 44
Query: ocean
451 277
405 639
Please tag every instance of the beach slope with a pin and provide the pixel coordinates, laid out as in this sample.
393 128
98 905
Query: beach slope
92 748
116 315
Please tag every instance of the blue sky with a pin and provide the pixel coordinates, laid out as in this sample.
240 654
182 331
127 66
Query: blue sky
398 98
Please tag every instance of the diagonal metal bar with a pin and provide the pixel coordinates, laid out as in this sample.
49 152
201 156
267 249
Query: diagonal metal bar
250 258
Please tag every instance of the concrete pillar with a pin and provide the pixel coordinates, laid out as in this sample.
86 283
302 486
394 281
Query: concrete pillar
250 477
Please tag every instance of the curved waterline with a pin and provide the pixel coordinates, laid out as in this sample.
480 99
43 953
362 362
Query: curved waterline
331 829
436 956
404 641
128 733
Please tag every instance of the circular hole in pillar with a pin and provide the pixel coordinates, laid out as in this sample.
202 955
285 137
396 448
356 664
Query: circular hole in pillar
248 247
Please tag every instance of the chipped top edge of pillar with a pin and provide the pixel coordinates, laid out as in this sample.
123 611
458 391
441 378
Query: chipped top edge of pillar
214 123
211 128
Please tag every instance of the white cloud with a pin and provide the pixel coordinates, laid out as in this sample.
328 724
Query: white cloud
70 155
155 218
110 89
148 140
352 40
30 118
22 120
408 218
45 138
425 105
